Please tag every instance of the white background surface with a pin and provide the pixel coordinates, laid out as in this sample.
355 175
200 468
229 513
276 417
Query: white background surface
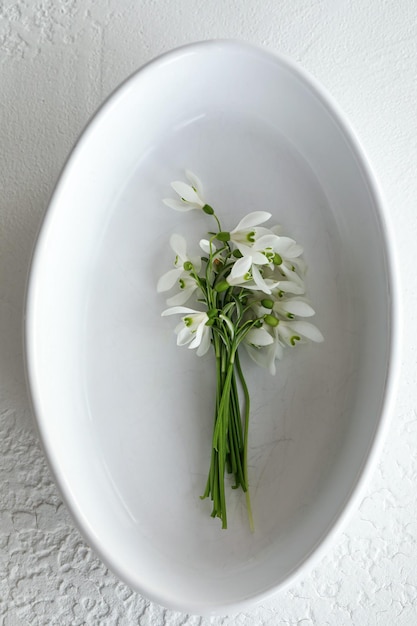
58 61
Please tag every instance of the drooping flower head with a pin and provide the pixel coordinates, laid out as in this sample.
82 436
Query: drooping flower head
193 329
190 194
181 274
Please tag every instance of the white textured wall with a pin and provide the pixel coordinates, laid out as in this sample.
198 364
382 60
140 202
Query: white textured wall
58 60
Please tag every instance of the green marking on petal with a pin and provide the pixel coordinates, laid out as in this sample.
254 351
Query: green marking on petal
277 260
294 339
182 283
187 321
251 236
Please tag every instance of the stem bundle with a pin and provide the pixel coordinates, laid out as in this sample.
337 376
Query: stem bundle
229 453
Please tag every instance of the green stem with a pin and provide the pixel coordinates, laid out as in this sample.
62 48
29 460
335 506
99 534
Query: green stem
245 438
235 435
230 437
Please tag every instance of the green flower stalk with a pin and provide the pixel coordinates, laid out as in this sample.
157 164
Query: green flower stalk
250 284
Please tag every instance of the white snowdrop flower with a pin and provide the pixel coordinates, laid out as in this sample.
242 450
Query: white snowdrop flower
293 332
190 194
188 286
183 264
193 329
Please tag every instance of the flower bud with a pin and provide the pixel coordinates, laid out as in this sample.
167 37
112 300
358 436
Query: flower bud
207 209
267 303
221 286
271 320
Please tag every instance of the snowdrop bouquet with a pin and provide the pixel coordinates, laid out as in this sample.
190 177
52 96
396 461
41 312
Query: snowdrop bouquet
249 283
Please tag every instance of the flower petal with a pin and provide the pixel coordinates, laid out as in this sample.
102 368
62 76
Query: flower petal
168 280
205 342
182 296
287 269
179 245
252 219
177 205
259 258
252 286
243 249
207 246
279 350
178 309
287 247
184 336
179 327
258 278
259 337
194 180
307 330
197 337
241 267
265 357
186 192
264 242
295 307
289 286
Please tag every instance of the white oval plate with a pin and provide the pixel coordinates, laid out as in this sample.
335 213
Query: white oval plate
124 415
